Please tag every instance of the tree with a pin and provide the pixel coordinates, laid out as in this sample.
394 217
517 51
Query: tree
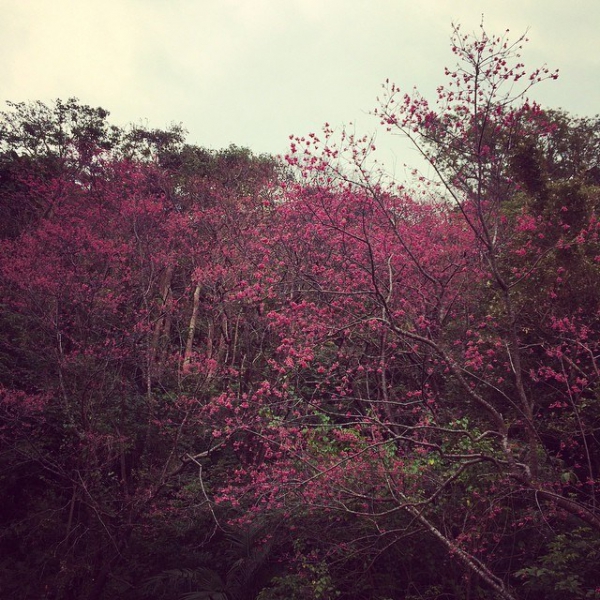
103 286
413 387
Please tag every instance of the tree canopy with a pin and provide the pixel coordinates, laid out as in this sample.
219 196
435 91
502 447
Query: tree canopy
236 377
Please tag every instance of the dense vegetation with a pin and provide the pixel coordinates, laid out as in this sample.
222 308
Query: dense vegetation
229 377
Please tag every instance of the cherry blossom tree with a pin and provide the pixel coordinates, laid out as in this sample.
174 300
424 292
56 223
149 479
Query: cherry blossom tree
414 382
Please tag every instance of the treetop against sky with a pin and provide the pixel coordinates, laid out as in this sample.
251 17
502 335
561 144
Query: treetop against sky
252 72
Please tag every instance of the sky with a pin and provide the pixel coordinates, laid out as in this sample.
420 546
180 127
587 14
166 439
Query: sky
252 72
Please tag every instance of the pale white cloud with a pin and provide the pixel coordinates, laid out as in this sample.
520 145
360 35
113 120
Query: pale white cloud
63 47
253 71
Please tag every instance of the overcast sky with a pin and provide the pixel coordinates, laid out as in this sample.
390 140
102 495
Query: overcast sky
251 72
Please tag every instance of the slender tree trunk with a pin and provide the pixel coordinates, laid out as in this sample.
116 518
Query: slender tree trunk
189 346
470 562
159 326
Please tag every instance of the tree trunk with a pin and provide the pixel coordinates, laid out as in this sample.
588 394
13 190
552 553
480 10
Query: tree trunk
189 346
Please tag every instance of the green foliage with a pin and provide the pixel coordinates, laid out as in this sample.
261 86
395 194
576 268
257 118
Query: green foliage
38 130
288 587
568 569
187 584
246 566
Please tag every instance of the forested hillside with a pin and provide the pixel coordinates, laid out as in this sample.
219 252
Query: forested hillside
235 377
